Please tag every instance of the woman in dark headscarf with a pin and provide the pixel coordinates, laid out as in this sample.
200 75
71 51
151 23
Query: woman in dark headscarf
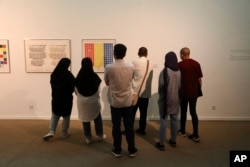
168 90
88 100
62 84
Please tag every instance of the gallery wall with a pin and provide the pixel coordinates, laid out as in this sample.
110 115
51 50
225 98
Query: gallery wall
217 32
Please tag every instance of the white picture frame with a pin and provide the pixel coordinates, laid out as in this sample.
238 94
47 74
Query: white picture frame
4 56
42 55
100 51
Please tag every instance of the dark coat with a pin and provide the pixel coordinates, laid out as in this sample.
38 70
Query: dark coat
62 84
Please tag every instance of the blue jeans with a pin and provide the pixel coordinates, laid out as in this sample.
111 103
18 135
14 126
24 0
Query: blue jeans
126 114
54 121
173 127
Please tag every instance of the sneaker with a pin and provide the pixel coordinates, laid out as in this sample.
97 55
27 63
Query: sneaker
180 133
48 136
88 140
140 132
172 143
102 137
195 138
117 154
160 146
133 153
65 135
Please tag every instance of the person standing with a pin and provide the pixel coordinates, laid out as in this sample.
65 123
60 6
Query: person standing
143 69
88 100
169 99
62 84
191 78
118 77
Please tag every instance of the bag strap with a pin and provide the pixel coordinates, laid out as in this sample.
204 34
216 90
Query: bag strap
143 78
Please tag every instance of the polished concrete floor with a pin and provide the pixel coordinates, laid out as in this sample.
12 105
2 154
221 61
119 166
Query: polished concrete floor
21 145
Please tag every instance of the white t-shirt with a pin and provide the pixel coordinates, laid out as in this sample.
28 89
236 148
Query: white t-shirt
140 70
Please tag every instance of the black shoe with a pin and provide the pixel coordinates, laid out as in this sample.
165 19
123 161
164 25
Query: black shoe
160 146
117 154
181 133
123 132
172 143
195 138
133 153
140 132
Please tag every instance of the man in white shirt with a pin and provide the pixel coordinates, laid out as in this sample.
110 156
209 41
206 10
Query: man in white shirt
143 69
118 76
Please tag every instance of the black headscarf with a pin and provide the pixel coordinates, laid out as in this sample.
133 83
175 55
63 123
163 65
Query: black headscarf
87 81
62 83
59 77
171 61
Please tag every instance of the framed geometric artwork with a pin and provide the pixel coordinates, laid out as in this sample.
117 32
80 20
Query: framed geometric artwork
100 51
42 55
4 56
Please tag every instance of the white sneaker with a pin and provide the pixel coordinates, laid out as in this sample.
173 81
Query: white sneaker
88 140
48 136
103 137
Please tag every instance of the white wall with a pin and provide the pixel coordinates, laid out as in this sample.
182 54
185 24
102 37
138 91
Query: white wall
212 29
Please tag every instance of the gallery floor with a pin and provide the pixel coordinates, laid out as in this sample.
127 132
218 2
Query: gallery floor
21 145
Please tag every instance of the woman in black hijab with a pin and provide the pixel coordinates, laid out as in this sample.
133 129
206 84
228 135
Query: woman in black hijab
88 100
62 84
168 90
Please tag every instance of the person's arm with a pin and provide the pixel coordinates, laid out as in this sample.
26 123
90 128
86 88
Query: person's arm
200 81
106 78
160 82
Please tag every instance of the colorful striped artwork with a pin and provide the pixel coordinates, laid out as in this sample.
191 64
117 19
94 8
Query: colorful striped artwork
4 56
100 52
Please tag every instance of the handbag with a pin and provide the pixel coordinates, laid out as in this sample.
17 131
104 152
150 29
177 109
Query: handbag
135 96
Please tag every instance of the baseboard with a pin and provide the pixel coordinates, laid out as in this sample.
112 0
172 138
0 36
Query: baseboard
109 118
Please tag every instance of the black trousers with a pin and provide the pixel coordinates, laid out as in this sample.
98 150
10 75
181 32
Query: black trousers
125 114
192 110
142 104
98 127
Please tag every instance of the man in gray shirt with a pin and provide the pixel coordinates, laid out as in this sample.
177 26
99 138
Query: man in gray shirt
118 76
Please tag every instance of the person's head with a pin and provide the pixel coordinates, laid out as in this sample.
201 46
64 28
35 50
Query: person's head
120 51
171 61
184 53
87 64
63 64
142 52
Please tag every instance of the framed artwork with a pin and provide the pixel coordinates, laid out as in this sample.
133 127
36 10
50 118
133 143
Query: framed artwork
4 56
100 51
42 55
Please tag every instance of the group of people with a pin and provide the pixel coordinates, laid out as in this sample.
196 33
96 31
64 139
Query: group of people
86 86
179 85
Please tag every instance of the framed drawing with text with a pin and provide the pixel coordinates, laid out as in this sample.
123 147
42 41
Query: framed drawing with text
100 51
42 55
4 56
